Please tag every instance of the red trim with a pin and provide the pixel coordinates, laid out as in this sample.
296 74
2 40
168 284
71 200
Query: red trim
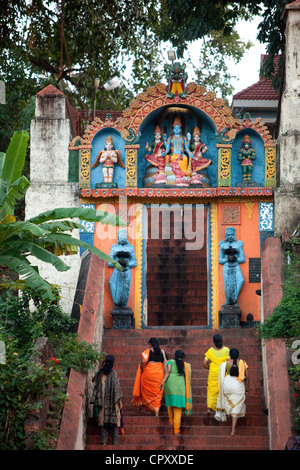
176 192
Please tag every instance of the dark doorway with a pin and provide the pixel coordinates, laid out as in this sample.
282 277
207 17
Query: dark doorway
176 276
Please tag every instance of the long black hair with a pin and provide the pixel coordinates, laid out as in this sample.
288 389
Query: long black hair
155 344
234 354
179 356
108 364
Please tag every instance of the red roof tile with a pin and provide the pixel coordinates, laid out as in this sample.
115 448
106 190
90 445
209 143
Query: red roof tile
50 90
262 90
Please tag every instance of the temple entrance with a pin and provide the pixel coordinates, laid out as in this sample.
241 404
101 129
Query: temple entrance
177 274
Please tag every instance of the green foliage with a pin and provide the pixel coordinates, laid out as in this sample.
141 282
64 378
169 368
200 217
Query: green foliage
23 383
69 44
284 322
42 236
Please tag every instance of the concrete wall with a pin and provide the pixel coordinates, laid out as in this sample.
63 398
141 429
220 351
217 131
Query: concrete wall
50 135
287 196
77 410
275 359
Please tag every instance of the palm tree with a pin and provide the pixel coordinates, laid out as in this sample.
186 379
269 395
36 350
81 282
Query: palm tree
45 236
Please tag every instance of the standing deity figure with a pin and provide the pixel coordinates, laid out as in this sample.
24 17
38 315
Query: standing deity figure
198 162
178 147
246 155
120 281
109 157
157 146
231 254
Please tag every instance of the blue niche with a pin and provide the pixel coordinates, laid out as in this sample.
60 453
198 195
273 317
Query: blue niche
258 172
98 144
191 118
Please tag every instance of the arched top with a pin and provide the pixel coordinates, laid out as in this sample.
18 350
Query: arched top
157 97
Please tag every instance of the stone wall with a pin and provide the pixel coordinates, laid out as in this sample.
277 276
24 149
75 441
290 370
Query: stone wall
287 196
50 135
77 410
275 358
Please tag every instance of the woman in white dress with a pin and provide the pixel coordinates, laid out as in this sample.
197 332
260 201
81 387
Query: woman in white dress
233 387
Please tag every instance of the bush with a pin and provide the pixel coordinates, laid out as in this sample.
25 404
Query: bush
22 381
284 322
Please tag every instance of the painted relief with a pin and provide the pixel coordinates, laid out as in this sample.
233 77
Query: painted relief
109 157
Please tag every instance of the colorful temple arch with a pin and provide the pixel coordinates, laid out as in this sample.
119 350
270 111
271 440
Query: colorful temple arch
228 183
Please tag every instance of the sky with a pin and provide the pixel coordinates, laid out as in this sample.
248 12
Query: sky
247 70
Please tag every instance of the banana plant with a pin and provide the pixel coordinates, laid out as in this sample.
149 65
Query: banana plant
45 236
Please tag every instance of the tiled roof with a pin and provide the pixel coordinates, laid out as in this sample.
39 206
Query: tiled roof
50 90
262 90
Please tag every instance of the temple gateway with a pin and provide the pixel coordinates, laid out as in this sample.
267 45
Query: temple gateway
183 173
204 197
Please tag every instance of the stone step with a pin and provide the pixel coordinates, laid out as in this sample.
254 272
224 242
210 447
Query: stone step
166 440
145 432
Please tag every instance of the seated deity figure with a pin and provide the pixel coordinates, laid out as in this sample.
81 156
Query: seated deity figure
120 281
109 157
198 162
156 158
246 156
231 254
177 146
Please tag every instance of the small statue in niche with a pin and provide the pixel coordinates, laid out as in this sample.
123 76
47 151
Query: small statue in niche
157 146
198 162
246 155
231 254
120 281
177 78
180 156
109 156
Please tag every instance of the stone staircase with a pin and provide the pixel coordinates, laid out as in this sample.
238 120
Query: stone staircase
143 431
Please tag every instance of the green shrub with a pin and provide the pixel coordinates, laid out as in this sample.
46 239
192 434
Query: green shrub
23 382
284 322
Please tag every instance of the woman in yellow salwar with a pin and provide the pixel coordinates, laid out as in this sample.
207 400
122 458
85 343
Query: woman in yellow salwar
215 356
177 389
146 390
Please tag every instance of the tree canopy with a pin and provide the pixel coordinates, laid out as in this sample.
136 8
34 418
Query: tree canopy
70 43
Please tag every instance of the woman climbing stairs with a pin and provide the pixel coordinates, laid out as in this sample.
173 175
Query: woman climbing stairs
144 431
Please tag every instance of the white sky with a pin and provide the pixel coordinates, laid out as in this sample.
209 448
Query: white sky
247 70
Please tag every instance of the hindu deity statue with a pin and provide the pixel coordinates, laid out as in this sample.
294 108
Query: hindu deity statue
231 254
109 156
246 155
178 154
120 281
177 78
157 146
198 162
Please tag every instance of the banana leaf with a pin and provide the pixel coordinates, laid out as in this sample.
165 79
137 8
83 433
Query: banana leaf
92 215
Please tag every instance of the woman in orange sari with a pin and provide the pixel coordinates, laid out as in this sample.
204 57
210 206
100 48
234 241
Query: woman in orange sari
149 376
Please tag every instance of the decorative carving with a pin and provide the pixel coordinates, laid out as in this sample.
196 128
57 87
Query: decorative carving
84 170
231 215
224 166
109 157
249 207
266 216
131 174
270 166
177 79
